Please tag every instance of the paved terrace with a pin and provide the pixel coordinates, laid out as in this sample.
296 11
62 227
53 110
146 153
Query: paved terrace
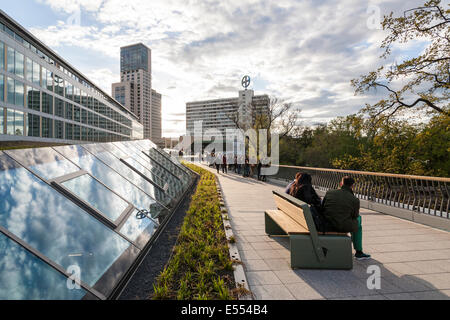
414 259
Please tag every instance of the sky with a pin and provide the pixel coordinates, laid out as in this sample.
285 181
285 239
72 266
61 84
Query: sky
305 52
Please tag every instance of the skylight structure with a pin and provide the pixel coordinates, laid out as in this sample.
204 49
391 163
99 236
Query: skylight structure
74 220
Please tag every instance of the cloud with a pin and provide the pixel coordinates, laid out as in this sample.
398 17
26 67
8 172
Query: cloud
303 51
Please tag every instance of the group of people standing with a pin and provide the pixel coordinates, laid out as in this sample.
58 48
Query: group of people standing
337 212
239 165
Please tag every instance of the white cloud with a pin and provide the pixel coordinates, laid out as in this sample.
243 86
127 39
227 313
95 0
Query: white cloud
304 51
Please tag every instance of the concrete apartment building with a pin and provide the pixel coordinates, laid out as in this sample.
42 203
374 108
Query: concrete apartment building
44 99
135 92
219 113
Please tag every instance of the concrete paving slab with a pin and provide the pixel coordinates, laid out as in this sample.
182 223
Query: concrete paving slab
272 292
262 278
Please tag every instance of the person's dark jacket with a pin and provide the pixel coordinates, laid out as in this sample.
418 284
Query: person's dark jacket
341 210
306 193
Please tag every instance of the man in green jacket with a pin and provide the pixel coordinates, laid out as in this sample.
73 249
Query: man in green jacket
341 211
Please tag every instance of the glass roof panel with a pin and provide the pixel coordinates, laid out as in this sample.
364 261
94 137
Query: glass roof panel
42 217
182 175
138 225
97 195
23 276
109 177
163 175
46 162
101 151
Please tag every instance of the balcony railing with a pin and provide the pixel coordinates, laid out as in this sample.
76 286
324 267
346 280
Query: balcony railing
422 194
429 195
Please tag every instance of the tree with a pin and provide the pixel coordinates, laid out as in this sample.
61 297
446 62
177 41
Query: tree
274 116
425 78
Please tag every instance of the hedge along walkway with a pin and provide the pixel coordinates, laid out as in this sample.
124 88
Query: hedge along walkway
200 267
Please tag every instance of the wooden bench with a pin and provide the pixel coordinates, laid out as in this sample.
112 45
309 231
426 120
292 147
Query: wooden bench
309 249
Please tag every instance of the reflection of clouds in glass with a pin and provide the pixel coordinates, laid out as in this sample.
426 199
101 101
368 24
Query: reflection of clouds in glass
97 195
57 227
23 276
46 162
115 163
152 169
134 226
107 176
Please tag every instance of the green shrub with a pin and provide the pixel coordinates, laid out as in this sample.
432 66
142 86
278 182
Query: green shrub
200 268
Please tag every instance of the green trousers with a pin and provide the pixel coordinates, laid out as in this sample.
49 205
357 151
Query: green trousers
357 237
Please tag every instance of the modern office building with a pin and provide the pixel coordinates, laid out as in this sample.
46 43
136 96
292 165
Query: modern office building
221 114
156 118
134 90
45 99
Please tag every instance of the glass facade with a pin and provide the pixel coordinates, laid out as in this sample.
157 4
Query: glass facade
75 207
134 58
57 94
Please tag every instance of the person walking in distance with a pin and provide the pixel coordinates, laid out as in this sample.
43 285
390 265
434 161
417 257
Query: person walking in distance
224 164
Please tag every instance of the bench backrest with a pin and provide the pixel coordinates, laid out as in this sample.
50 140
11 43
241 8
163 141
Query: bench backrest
295 209
300 212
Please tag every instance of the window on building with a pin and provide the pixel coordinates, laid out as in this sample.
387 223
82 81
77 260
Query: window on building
34 99
69 91
10 91
20 65
29 69
69 131
59 85
59 108
69 111
84 116
2 89
36 74
34 125
77 97
19 124
10 121
76 114
84 134
84 99
47 128
2 56
19 93
10 60
47 103
49 81
2 120
59 129
76 132
90 118
14 122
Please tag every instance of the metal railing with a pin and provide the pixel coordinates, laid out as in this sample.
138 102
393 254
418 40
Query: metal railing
429 195
422 194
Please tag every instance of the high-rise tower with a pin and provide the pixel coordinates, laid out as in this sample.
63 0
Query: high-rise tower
134 90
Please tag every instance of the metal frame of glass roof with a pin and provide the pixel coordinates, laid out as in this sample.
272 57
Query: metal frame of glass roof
88 219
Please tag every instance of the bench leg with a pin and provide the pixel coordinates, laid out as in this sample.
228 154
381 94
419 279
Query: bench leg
272 227
339 253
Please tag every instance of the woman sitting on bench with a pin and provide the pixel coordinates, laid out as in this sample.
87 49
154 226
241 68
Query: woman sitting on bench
303 190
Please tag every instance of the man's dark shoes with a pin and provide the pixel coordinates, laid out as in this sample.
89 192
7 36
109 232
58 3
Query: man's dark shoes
362 256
